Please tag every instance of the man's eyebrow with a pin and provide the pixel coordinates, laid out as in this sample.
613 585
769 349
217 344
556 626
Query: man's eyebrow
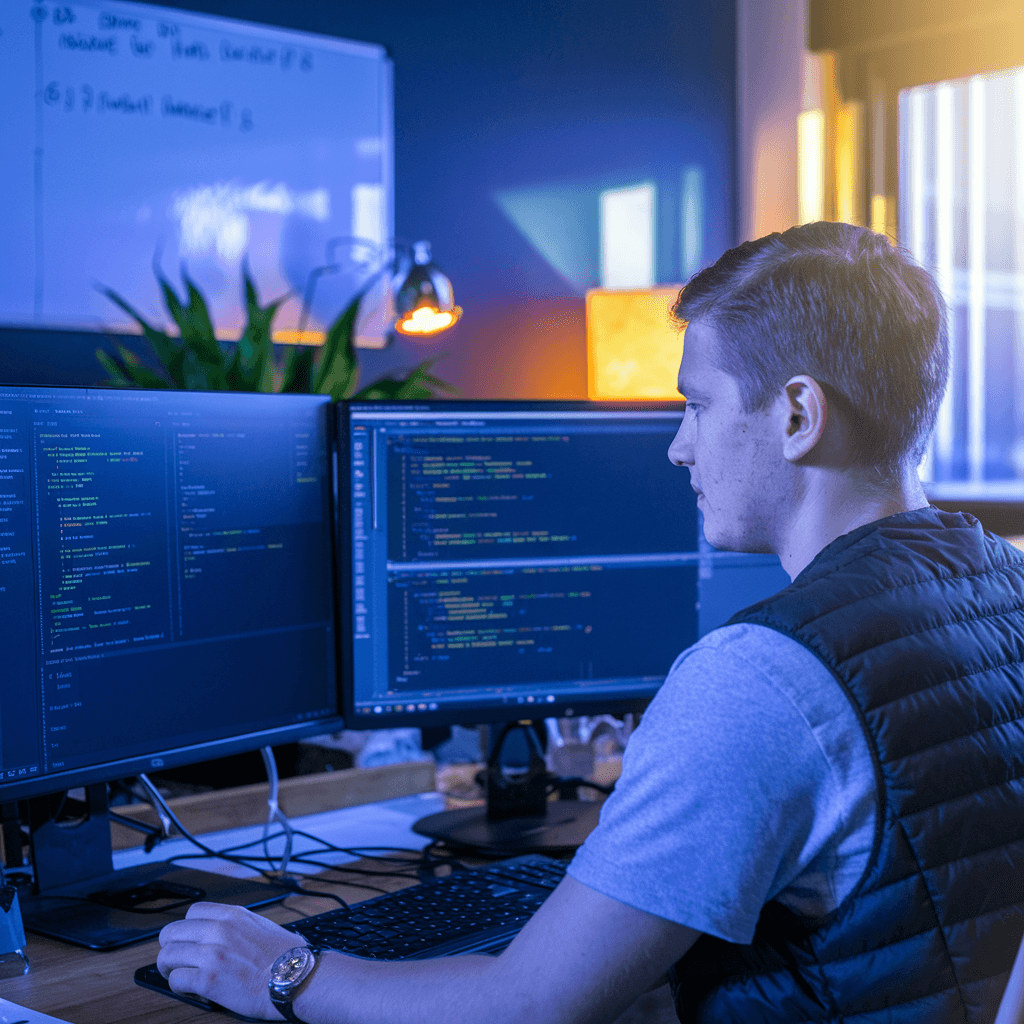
688 392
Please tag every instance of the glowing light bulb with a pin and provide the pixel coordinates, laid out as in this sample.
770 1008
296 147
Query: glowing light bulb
427 320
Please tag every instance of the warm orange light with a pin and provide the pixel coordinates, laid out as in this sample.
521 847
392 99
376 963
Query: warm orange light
633 348
848 163
810 155
879 214
427 320
298 337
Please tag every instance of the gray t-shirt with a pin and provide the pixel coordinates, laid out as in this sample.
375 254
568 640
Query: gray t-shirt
748 779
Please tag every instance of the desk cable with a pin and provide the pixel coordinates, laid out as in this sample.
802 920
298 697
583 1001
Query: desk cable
420 866
275 813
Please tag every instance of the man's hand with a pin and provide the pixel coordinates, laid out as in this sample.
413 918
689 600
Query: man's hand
224 953
581 959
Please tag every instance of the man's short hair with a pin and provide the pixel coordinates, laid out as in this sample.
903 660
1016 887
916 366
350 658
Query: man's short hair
844 306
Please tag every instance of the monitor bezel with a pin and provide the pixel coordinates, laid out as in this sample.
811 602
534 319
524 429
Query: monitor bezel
491 714
24 787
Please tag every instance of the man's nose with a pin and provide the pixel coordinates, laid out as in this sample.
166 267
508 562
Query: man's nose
679 450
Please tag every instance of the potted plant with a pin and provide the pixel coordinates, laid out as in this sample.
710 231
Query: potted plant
196 360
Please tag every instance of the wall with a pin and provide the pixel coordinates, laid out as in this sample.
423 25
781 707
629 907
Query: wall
771 36
510 120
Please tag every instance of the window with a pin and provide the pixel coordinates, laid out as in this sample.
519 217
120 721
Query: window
961 188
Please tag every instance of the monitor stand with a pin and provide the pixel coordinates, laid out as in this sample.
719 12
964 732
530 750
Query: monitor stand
559 831
518 817
79 898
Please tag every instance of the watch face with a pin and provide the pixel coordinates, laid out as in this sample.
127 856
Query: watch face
291 967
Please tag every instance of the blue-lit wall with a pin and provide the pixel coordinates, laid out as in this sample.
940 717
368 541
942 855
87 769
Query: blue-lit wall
510 119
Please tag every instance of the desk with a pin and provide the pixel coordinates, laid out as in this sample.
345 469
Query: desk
86 987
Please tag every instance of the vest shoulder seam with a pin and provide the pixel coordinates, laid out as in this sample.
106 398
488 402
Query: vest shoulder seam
881 784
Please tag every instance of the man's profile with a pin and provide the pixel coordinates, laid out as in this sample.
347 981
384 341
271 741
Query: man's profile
821 816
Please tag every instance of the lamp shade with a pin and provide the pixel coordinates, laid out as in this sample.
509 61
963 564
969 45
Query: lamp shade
633 348
424 303
407 292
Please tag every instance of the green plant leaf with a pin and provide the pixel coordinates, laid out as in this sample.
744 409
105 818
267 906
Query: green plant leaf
142 376
298 371
204 365
200 376
417 383
118 375
251 369
338 371
391 387
168 350
420 375
126 370
233 376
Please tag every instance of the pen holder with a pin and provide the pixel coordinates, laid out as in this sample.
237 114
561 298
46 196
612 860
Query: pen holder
12 934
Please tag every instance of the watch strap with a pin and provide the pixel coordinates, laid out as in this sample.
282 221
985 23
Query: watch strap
284 1007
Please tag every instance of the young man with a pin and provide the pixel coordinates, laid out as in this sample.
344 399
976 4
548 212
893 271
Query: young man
822 813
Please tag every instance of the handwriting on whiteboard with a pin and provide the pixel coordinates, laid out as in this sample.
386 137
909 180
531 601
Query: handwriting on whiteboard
120 34
85 98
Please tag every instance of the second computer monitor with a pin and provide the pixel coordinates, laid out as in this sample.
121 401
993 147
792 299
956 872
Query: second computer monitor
511 560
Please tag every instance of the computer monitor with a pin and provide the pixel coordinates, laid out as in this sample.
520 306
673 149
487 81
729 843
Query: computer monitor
166 594
512 560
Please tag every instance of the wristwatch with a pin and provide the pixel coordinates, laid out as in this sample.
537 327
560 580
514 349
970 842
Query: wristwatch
288 974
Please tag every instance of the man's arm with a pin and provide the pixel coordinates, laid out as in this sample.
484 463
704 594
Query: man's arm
583 957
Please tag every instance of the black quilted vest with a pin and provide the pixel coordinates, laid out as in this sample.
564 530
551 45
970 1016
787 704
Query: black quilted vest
920 617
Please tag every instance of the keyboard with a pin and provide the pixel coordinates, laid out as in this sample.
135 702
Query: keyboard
479 910
475 910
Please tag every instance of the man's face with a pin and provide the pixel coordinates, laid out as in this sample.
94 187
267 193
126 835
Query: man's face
734 457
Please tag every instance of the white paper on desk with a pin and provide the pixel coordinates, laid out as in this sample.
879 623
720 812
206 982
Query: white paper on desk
365 826
12 1013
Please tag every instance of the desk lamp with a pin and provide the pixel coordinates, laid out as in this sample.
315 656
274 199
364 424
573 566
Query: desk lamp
423 301
420 291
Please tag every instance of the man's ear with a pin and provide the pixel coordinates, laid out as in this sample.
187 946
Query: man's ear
807 414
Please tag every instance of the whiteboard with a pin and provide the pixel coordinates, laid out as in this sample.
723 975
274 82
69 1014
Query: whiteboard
131 134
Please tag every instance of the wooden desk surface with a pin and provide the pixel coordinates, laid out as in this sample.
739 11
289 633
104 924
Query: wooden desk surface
87 987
